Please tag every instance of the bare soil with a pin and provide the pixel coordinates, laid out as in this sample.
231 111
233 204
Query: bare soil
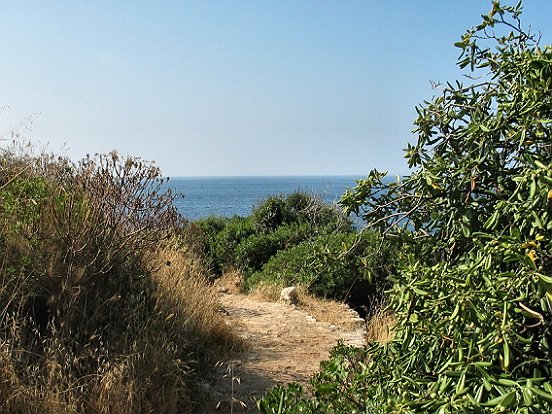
284 344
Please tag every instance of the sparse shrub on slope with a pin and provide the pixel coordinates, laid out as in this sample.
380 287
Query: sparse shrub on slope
472 296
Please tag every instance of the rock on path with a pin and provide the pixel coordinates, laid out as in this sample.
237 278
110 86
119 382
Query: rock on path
284 344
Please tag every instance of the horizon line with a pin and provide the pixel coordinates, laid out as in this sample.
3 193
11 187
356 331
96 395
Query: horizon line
265 176
354 176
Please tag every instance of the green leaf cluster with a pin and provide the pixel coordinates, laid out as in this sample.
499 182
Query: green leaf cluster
298 239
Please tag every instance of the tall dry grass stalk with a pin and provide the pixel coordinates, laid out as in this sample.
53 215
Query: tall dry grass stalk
184 293
380 328
231 282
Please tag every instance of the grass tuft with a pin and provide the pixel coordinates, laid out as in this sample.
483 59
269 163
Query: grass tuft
380 328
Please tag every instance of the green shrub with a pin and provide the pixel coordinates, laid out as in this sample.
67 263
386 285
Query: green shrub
204 233
323 217
287 267
252 253
212 225
226 241
344 266
299 207
338 389
271 213
277 223
284 399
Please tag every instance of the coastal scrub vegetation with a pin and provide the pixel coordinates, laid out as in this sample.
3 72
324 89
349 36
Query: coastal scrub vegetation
106 305
297 239
103 307
471 293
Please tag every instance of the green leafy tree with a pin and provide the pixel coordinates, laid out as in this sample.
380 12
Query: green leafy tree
472 295
473 140
473 302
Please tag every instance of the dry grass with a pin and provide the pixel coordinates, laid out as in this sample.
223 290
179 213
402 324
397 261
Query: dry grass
379 328
100 311
183 293
336 313
323 310
153 370
267 292
230 282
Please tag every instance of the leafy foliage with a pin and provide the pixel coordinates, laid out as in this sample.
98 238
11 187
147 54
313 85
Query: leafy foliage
259 248
225 242
276 224
473 288
342 266
339 388
299 207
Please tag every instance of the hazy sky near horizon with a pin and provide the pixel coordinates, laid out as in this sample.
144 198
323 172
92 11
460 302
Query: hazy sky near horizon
214 88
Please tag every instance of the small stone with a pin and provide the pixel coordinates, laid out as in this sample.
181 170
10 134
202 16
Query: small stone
289 295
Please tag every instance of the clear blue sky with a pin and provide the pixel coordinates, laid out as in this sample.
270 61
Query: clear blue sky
239 87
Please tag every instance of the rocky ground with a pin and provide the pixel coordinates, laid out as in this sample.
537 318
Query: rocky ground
284 344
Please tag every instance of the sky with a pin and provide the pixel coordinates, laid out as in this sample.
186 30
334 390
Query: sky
232 88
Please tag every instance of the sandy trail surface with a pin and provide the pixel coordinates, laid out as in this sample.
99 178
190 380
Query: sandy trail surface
284 344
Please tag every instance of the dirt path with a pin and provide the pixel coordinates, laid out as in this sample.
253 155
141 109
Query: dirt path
284 344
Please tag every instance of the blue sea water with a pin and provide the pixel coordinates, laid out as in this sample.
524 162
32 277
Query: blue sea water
229 196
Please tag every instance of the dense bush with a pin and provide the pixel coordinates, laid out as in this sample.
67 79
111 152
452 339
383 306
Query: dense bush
276 224
272 213
299 207
346 266
222 250
472 295
96 310
252 253
298 239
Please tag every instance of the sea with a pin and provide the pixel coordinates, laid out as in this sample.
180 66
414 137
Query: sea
200 197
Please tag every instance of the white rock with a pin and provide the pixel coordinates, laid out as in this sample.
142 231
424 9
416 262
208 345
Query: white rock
289 295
